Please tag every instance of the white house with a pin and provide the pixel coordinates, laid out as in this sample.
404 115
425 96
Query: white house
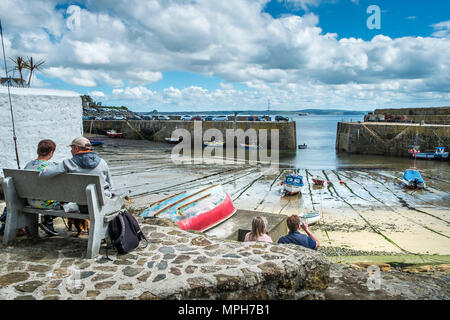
38 114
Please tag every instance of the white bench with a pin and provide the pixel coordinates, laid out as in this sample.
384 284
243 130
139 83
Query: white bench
83 189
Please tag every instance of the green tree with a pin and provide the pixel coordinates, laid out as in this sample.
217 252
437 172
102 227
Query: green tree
19 65
32 66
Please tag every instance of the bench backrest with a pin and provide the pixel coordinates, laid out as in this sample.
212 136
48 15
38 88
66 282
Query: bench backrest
67 187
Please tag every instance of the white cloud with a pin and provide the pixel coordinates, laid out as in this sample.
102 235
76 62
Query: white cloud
129 44
442 29
97 94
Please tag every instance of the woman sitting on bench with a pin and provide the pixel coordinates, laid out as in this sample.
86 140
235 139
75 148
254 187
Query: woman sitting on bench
45 150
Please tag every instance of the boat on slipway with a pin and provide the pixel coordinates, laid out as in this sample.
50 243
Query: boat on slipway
412 179
250 146
96 141
318 181
194 210
292 184
114 134
214 144
310 217
173 140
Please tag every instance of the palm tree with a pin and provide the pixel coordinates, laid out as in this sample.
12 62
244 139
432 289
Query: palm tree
20 64
30 65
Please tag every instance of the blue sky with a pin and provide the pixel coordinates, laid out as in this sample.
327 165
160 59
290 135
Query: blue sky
400 18
235 55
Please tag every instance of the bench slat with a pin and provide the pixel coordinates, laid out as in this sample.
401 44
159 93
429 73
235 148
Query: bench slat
67 187
63 214
57 213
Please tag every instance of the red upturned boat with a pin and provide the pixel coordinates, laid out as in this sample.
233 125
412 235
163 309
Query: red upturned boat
114 134
194 210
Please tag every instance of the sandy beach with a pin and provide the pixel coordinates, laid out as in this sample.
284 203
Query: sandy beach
370 211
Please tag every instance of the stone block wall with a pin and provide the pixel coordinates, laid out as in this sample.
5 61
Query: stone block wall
438 115
175 265
389 139
38 114
157 130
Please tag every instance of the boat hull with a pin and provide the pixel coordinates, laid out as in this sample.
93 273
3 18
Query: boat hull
194 210
310 218
318 182
96 143
172 141
249 146
114 134
431 155
209 219
290 189
213 144
412 185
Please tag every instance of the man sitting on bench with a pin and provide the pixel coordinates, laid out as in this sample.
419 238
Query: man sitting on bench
84 160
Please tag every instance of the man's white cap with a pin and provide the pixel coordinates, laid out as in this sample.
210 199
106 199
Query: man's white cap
81 142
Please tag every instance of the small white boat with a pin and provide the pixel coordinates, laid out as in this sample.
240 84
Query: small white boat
214 144
114 134
173 140
250 146
311 217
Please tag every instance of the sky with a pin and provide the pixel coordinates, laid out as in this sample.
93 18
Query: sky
188 55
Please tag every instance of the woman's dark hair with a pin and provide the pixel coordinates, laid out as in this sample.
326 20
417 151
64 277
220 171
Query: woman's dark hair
45 147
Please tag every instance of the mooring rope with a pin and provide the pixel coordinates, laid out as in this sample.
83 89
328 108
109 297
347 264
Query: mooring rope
10 103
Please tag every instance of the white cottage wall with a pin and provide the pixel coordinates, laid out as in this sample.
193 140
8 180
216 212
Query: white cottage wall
38 114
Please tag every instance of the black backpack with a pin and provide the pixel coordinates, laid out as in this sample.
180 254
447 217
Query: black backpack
125 232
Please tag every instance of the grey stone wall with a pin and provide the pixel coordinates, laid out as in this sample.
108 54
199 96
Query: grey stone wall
389 139
157 130
175 265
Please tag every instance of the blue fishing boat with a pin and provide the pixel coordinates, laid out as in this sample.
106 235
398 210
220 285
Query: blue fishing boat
413 180
438 153
292 183
250 146
96 141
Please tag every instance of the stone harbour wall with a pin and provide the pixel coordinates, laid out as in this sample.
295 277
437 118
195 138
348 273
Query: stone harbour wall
433 115
158 130
390 139
176 264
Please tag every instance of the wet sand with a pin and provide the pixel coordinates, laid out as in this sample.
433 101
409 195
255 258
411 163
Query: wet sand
369 211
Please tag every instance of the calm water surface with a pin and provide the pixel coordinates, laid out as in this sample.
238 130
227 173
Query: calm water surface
319 133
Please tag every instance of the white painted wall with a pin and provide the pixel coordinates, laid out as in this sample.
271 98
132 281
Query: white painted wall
38 114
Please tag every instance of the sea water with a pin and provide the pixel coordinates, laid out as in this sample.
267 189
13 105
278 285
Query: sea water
318 132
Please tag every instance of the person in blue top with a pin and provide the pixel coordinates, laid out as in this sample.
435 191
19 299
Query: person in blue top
295 237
